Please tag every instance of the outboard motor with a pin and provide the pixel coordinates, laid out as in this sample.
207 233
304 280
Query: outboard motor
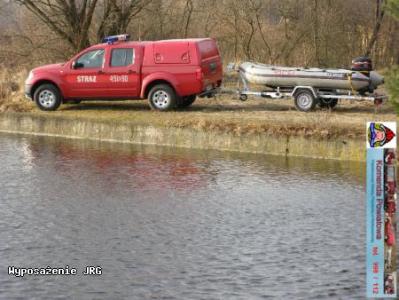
362 64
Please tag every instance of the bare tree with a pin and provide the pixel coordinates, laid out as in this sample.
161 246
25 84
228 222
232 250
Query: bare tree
380 12
188 11
315 29
69 19
290 32
117 15
261 33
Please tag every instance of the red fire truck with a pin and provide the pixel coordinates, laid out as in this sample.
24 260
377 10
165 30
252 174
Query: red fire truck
170 73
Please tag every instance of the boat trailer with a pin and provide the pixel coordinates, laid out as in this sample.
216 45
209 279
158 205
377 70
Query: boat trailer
305 97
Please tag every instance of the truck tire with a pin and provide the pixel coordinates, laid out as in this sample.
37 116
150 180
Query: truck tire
47 97
186 101
305 100
328 102
162 97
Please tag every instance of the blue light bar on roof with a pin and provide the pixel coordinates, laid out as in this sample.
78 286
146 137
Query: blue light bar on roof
115 38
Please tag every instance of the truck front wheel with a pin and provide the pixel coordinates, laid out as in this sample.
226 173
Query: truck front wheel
47 97
162 97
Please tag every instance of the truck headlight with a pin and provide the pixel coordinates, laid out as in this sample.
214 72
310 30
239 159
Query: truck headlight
30 76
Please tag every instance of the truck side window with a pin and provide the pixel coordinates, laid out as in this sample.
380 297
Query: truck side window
92 59
122 57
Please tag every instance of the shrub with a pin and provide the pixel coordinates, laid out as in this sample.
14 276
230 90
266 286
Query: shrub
392 84
12 96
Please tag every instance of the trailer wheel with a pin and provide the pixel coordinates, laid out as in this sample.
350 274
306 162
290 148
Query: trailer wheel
186 101
328 102
243 97
162 97
305 100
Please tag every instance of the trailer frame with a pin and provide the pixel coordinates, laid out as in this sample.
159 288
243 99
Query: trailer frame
314 96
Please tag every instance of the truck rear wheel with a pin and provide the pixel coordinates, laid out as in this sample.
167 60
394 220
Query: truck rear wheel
186 101
47 97
162 97
305 100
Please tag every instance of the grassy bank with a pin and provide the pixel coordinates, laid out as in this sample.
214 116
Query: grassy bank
98 129
256 126
227 115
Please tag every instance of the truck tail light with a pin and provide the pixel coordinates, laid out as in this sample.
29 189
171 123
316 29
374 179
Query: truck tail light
200 75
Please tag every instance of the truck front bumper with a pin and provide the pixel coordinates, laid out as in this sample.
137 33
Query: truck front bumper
28 91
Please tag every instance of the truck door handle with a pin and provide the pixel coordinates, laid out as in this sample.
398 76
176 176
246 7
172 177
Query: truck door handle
131 72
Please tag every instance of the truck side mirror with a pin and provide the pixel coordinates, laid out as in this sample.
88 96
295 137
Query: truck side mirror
77 65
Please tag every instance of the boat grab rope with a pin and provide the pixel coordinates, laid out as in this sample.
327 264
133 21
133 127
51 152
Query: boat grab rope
351 83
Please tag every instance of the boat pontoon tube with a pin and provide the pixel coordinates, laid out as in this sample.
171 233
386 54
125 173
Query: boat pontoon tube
277 76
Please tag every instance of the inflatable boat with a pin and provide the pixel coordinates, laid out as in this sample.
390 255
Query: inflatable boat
361 78
308 87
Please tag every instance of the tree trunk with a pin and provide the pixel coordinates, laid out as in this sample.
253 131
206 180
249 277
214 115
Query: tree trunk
380 12
189 8
315 11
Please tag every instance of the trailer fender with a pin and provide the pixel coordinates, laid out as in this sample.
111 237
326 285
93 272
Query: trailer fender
300 87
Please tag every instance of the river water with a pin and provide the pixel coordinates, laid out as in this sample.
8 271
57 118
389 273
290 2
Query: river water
178 224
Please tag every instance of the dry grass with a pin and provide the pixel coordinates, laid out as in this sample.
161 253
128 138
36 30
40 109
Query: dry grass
12 91
225 114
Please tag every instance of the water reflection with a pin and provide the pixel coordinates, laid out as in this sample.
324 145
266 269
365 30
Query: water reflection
179 223
179 165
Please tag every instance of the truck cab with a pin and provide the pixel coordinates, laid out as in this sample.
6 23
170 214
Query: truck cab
169 73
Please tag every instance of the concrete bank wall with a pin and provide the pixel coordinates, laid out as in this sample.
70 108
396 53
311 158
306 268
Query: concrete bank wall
27 123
